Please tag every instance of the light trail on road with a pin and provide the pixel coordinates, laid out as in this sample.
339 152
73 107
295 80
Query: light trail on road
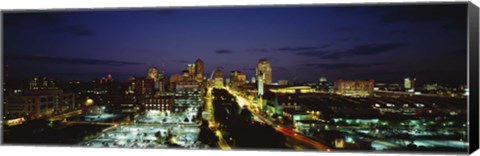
288 132
212 124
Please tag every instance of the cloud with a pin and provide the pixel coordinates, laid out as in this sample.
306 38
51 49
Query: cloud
57 20
454 15
296 48
313 53
326 45
223 51
360 50
261 50
303 48
76 29
347 29
182 61
75 61
343 65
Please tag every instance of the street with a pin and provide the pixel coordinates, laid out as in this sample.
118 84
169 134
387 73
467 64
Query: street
295 137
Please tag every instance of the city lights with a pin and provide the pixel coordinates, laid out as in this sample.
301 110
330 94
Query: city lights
240 78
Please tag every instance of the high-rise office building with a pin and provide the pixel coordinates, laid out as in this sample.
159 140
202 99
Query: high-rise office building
152 73
157 78
218 73
260 85
408 84
218 78
265 70
234 75
199 69
191 70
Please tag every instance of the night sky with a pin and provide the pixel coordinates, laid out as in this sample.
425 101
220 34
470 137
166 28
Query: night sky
385 43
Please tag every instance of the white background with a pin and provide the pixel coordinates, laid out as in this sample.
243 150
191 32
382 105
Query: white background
73 151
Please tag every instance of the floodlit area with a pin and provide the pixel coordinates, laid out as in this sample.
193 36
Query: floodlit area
136 136
153 129
152 117
101 117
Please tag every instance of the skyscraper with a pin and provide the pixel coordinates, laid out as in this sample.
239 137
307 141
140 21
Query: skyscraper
199 71
260 86
152 73
265 70
191 70
409 83
218 78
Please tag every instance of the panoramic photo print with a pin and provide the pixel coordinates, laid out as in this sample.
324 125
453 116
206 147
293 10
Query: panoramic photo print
320 78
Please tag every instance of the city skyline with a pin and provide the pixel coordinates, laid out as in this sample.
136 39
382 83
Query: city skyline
383 43
383 78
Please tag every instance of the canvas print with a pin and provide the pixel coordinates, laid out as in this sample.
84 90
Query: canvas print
377 77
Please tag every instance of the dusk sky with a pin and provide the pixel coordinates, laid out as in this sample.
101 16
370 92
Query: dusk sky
385 43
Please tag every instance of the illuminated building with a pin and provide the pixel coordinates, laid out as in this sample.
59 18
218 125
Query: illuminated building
323 79
283 82
291 89
241 77
186 75
187 98
158 80
119 103
103 85
159 103
39 104
187 86
260 86
106 79
42 83
324 86
218 78
227 81
253 79
191 70
236 79
188 79
174 80
152 73
141 86
409 84
354 88
233 75
199 69
264 70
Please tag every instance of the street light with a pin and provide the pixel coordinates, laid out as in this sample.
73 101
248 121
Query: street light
89 102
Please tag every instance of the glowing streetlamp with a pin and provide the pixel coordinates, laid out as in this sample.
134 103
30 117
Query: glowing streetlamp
89 102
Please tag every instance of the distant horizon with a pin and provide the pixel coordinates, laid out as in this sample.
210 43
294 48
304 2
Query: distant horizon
125 77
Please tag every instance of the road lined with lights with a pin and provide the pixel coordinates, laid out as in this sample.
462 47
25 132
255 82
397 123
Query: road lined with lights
65 115
212 124
287 132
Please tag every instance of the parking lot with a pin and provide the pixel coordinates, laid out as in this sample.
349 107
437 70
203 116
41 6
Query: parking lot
152 130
